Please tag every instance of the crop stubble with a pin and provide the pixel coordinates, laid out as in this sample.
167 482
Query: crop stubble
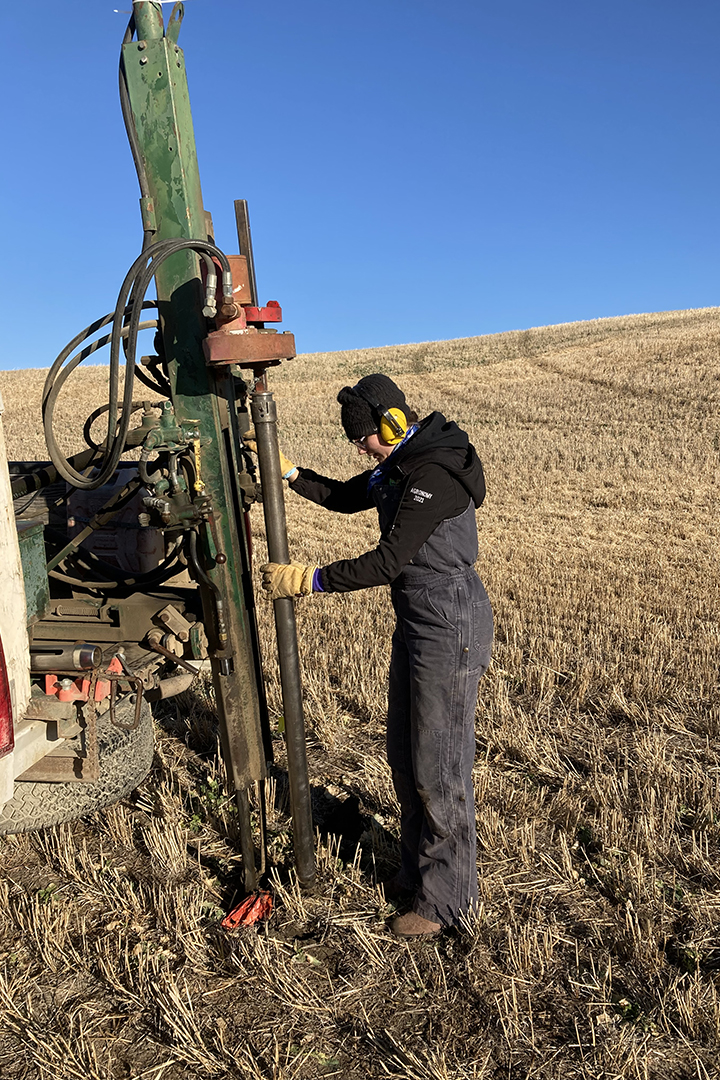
596 948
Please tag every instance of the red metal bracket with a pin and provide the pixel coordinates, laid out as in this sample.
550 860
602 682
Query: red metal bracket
271 313
80 689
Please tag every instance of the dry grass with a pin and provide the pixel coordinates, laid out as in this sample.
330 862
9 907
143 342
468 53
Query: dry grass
596 949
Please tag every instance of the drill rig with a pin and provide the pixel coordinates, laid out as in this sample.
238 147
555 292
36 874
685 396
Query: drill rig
137 568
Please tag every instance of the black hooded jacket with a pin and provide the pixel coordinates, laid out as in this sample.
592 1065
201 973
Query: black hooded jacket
426 480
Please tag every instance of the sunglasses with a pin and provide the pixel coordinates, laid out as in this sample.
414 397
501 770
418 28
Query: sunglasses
361 442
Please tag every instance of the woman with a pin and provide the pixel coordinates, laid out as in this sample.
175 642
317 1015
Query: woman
426 485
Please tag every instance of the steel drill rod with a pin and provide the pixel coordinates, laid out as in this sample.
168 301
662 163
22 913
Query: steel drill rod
242 221
264 416
247 844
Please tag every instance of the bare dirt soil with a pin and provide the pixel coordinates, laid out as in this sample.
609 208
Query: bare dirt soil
596 949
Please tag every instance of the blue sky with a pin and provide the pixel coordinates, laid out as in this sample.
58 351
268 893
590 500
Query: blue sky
415 170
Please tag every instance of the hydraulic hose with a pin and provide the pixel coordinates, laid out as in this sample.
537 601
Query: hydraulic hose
146 580
58 375
130 129
85 334
194 561
130 304
148 478
159 384
142 581
47 474
95 415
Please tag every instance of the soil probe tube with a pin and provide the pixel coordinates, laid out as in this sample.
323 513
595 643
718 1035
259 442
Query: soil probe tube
264 416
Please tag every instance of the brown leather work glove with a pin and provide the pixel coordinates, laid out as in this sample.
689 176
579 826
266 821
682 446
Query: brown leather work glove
281 579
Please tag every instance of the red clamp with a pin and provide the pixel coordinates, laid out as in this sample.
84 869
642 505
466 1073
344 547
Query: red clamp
80 688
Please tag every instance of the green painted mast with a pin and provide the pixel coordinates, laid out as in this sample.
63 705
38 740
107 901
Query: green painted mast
172 207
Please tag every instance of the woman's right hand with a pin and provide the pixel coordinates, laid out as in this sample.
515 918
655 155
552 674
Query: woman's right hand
286 466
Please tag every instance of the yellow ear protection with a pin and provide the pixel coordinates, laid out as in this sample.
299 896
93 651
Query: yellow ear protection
393 423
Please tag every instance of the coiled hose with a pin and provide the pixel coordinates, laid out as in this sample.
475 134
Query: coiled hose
126 324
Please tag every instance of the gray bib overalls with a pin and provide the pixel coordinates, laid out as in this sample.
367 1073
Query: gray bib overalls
440 648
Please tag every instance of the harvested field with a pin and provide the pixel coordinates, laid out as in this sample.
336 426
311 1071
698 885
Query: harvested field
596 949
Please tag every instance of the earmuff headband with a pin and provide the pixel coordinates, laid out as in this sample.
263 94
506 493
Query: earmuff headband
395 426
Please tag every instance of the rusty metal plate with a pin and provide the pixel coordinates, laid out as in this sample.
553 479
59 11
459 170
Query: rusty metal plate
241 280
60 770
248 347
58 767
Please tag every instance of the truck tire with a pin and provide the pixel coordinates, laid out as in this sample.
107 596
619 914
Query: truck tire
125 760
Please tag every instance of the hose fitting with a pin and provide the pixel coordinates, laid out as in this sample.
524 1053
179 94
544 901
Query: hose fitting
228 309
210 309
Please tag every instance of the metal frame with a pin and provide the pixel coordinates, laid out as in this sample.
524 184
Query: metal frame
204 394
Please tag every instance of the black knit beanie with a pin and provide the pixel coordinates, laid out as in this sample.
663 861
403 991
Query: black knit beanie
358 417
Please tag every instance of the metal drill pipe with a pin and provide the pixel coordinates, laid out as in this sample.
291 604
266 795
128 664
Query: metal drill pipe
82 657
264 416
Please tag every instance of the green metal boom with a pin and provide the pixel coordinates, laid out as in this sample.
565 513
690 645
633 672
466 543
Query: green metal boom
157 86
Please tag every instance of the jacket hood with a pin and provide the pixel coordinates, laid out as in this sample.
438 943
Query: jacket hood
442 442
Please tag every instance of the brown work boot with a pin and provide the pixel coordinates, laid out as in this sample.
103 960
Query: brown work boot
413 925
395 892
